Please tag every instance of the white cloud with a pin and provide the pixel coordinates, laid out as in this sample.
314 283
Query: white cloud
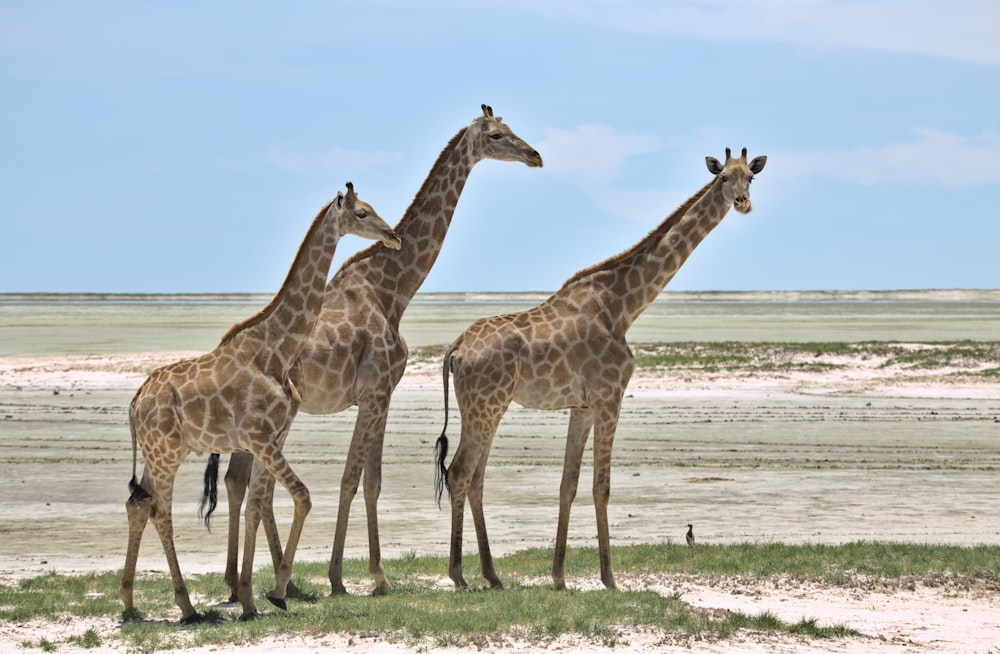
933 157
593 153
331 161
967 30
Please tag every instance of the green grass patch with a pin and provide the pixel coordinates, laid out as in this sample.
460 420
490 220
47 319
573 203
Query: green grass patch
962 354
421 614
831 564
748 358
426 353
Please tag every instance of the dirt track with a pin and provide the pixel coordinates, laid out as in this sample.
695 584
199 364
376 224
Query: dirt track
785 459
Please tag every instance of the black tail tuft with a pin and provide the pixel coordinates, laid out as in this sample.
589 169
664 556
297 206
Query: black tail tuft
136 489
210 497
441 446
441 472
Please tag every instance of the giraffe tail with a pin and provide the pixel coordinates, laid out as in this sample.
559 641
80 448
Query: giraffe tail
441 446
136 491
210 497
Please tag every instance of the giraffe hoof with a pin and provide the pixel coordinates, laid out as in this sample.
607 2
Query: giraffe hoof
131 615
194 618
249 615
279 602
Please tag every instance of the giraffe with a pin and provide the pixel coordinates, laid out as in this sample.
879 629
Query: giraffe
356 355
570 353
237 397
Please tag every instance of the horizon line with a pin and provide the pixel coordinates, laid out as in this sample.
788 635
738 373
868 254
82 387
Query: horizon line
528 294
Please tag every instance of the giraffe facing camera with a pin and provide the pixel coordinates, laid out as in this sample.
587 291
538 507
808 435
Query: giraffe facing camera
569 352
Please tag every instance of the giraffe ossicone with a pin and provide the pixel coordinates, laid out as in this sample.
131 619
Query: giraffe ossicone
569 352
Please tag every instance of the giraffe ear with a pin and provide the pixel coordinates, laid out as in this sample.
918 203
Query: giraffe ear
757 164
713 164
339 200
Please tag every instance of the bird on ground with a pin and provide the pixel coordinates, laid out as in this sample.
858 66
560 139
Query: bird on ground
689 537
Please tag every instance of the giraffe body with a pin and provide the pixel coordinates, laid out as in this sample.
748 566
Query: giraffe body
570 353
356 355
239 397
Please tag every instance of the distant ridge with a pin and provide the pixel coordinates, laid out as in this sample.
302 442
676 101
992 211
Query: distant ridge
916 295
911 295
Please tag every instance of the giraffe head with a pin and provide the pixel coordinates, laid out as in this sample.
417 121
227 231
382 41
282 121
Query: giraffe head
492 139
735 176
355 216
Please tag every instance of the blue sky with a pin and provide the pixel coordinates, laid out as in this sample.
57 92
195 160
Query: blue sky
186 146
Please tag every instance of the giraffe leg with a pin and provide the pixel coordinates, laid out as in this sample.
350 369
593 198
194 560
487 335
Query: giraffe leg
369 426
459 487
348 489
481 416
459 476
161 514
580 423
479 521
373 488
244 589
137 508
237 479
273 537
604 437
278 467
465 480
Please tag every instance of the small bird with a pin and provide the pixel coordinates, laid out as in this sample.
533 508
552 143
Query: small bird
689 537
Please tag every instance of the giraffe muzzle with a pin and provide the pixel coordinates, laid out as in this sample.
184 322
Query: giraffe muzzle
392 241
742 204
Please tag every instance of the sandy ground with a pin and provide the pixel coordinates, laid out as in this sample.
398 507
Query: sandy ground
862 453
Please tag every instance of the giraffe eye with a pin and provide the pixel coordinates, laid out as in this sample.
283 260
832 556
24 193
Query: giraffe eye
723 178
361 215
496 136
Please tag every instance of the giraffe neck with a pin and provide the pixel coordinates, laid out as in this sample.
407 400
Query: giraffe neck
396 275
279 332
631 281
